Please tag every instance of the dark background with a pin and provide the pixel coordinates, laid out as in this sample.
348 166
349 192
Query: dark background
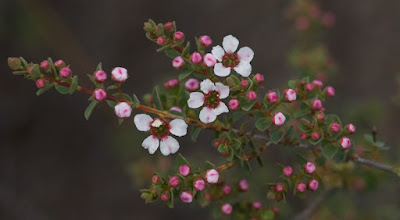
56 165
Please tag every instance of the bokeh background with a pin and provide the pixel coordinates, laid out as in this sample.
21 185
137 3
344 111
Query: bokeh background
56 165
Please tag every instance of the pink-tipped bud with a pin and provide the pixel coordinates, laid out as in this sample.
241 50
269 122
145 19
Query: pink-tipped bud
345 142
309 167
313 185
174 181
205 40
244 83
257 205
123 110
243 185
318 83
59 64
65 72
259 78
178 62
278 119
330 91
119 74
328 19
192 85
351 129
234 104
310 87
171 83
303 135
301 187
287 171
179 37
199 184
156 179
100 76
272 97
290 95
186 196
209 60
226 209
44 65
40 83
335 127
280 187
212 176
315 135
184 170
175 108
251 95
99 94
302 23
165 196
275 210
161 40
320 116
196 58
169 27
226 189
316 104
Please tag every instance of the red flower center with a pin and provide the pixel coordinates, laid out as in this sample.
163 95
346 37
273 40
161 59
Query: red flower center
159 127
230 60
212 99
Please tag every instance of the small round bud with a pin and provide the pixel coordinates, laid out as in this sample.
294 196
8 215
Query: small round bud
259 78
251 95
165 196
205 40
171 83
328 19
315 135
310 87
175 108
290 95
65 72
234 104
99 94
212 176
179 37
316 104
301 187
186 196
330 91
161 40
40 83
351 129
302 23
192 85
184 170
320 116
272 97
275 210
345 142
257 205
309 167
169 27
318 83
278 119
226 189
313 185
196 58
280 187
174 181
209 60
178 62
243 185
119 74
199 184
123 110
207 197
287 171
156 179
226 208
100 76
303 135
45 65
335 127
244 83
59 64
14 63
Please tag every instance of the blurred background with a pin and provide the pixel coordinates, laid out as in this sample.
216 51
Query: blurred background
56 165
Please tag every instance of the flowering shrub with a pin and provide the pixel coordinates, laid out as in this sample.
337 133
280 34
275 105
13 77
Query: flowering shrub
217 90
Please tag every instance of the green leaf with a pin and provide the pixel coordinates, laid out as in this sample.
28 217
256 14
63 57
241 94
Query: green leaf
208 165
259 161
237 116
170 202
276 135
90 109
135 101
245 104
185 73
339 156
172 53
267 215
62 89
35 71
43 90
74 85
300 159
292 84
263 123
329 150
247 166
99 67
112 104
20 72
186 49
156 99
194 134
320 161
111 87
180 160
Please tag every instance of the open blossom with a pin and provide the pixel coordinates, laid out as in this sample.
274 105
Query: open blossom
123 110
211 98
228 59
119 74
186 196
212 176
160 129
309 167
279 119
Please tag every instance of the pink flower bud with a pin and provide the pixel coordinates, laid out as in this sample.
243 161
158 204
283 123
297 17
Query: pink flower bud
40 83
196 58
192 85
313 185
207 197
186 196
161 40
328 19
169 27
165 196
226 189
119 74
335 127
257 205
272 97
251 95
175 108
199 184
212 176
123 110
234 104
243 185
345 142
226 208
320 116
65 72
209 60
275 210
290 95
156 179
205 40
59 64
315 135
301 187
310 87
351 129
100 76
99 94
184 170
259 78
329 91
309 167
244 83
279 187
316 104
44 65
179 37
278 119
174 181
303 135
318 83
302 23
287 171
171 83
178 62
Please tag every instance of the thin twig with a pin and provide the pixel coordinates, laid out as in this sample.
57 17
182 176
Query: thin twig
307 212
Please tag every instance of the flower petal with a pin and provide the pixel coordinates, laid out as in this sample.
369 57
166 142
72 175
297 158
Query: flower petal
230 43
221 108
221 70
169 145
151 143
207 115
222 90
218 52
178 127
244 68
245 54
206 86
142 122
195 100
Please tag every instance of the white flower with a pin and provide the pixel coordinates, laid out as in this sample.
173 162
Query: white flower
229 60
159 129
119 74
211 99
